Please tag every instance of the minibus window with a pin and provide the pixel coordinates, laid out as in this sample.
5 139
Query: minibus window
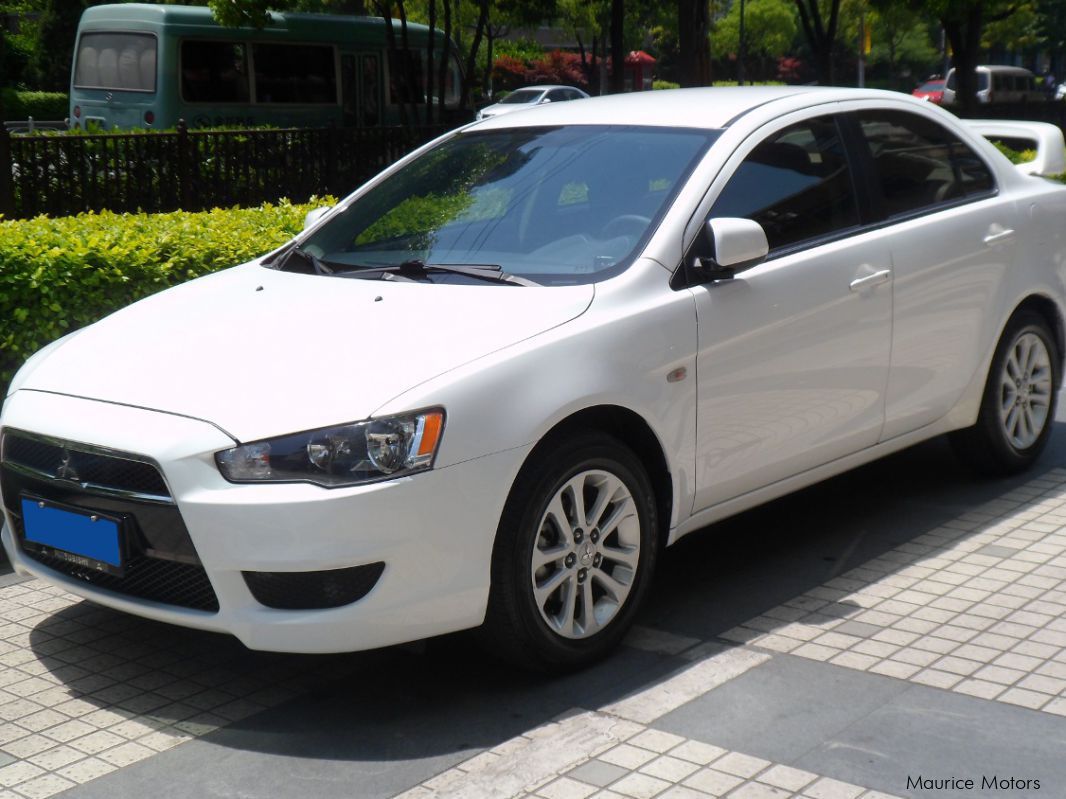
116 61
214 72
294 73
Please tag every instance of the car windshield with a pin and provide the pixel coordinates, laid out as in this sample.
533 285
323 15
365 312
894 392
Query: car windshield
555 205
932 86
523 96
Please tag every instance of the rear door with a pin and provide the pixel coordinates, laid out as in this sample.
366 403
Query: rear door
952 238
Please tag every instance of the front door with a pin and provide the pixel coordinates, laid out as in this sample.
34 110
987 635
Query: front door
793 353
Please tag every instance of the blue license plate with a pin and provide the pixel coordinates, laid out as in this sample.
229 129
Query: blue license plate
80 537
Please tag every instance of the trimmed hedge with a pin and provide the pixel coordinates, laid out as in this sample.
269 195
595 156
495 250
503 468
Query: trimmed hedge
57 275
50 106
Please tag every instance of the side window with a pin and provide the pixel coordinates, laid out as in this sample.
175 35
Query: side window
796 184
919 164
214 72
294 73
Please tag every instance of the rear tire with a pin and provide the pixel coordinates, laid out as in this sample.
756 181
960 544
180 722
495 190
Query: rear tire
1018 405
574 555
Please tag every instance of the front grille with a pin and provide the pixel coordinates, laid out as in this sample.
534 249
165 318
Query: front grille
161 563
84 465
315 590
146 578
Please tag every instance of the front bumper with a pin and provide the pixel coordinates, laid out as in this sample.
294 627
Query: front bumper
433 532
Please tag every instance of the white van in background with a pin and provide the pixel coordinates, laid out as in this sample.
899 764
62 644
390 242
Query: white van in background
998 84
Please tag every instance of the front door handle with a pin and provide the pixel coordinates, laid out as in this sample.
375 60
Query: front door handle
868 281
999 237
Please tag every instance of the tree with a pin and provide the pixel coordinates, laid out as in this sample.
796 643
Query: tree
693 42
964 22
900 39
53 50
819 19
769 29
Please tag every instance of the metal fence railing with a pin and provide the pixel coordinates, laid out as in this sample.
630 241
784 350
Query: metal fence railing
190 169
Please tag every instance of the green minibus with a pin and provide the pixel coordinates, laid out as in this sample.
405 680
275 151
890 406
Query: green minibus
147 66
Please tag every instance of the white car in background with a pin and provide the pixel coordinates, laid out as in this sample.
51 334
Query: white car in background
492 384
521 99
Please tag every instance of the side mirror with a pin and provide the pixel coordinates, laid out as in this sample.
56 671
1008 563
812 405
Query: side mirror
739 244
315 214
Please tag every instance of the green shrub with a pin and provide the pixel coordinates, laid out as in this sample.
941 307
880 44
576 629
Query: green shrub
20 105
57 275
522 49
1015 156
665 84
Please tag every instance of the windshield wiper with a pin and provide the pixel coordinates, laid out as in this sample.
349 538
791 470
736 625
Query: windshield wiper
419 268
321 267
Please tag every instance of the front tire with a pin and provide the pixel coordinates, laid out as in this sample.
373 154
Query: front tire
1018 405
575 551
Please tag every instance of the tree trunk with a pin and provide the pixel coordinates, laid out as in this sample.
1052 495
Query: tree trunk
385 9
445 60
429 59
965 38
693 42
407 66
471 59
618 47
821 36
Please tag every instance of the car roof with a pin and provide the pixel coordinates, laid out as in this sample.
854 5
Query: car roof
711 108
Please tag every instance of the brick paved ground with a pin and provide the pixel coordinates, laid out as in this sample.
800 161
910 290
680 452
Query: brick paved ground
830 646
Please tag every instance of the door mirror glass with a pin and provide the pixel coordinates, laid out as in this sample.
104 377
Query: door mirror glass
738 243
315 214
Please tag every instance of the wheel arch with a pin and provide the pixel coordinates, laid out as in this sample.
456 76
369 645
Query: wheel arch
632 430
1049 310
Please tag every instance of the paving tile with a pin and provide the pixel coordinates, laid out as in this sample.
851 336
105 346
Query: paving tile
716 783
44 786
598 772
740 765
755 790
791 779
668 768
566 788
629 757
826 788
979 601
697 752
656 740
640 786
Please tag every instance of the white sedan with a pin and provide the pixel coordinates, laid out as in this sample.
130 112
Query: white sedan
490 386
521 99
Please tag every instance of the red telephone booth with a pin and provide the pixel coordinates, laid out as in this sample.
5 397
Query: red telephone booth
639 68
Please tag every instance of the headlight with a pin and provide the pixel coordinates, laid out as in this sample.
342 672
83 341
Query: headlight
346 455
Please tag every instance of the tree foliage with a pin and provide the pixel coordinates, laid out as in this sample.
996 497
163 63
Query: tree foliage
769 29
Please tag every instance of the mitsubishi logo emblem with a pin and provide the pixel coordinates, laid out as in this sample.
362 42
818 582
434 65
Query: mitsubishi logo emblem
66 470
587 554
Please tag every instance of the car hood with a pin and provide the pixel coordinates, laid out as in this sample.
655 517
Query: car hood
260 352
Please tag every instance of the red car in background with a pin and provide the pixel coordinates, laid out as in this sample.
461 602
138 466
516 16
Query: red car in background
931 90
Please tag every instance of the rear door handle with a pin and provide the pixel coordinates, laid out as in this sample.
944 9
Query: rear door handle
999 237
868 281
